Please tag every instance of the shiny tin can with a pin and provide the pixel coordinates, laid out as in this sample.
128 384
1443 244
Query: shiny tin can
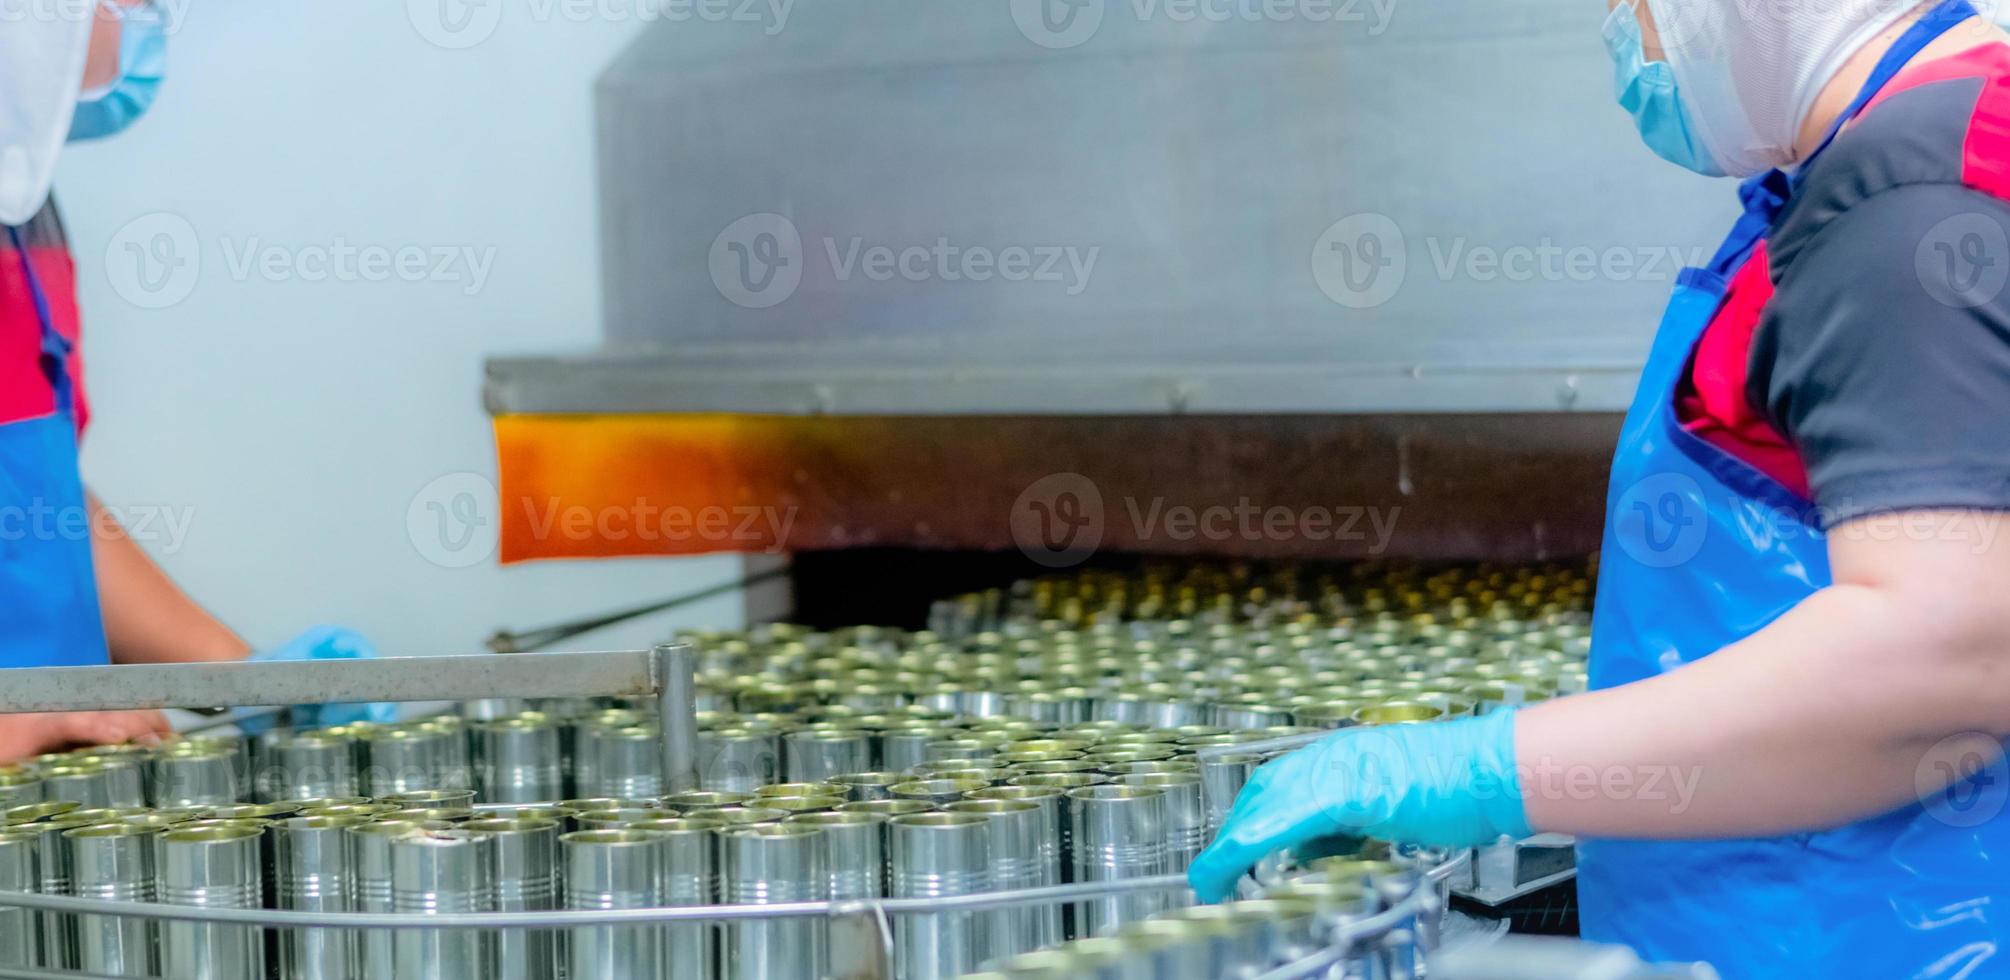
688 874
372 851
314 870
20 933
195 777
938 855
738 759
854 852
436 872
219 867
113 862
1018 831
1118 832
524 870
767 864
612 869
816 754
519 760
309 765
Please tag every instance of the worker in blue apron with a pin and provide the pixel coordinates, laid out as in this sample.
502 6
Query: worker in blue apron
1791 761
75 589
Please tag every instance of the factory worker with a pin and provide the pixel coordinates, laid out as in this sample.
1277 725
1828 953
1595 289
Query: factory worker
74 588
1790 763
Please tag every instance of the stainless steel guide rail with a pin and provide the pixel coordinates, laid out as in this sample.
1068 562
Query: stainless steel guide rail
666 672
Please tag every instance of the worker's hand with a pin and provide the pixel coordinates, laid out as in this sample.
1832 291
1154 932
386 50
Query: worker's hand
26 736
1444 784
326 643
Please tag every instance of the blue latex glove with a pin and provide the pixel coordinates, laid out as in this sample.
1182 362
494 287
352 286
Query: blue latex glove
325 643
1444 784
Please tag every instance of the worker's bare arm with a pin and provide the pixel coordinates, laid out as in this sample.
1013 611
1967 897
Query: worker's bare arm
148 618
1866 694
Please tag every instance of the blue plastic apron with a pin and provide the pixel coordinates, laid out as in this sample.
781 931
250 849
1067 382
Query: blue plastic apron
48 593
1701 551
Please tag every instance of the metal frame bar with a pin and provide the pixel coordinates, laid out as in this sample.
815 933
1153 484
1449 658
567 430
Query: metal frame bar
280 918
667 672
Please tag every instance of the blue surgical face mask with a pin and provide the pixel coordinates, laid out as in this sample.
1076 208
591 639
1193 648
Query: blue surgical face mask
142 63
1646 90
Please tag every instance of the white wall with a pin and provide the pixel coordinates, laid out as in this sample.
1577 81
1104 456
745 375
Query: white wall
293 422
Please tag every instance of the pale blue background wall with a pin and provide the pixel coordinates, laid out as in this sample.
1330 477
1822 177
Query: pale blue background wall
291 423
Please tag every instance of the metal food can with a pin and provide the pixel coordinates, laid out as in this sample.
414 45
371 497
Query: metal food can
519 759
87 783
19 787
427 799
113 862
901 748
765 864
699 800
314 870
738 759
1221 779
816 754
20 933
435 872
1052 857
1018 831
456 766
613 818
612 869
862 786
216 867
59 929
854 851
308 765
816 788
1118 833
1186 814
403 759
525 874
372 852
936 792
627 762
938 855
688 869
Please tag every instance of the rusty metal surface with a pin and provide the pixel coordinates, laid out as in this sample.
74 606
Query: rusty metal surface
1060 488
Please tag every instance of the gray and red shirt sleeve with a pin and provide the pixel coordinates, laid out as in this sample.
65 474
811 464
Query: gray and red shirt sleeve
1865 362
